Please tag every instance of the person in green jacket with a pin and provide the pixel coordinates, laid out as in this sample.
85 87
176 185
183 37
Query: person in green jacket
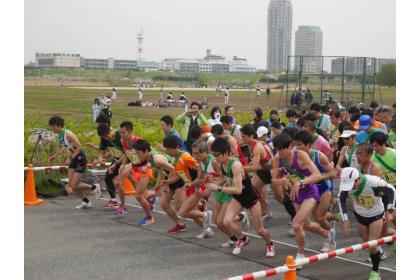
188 120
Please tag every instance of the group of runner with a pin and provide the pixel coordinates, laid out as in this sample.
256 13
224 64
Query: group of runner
234 167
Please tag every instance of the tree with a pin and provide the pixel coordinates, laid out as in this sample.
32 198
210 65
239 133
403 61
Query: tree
387 76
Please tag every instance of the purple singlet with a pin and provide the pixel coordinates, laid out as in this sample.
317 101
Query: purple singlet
310 190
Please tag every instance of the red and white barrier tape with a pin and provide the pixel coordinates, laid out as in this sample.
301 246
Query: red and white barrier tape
60 167
314 259
261 274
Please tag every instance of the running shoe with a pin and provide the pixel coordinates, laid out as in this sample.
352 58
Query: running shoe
147 220
84 205
152 202
97 191
239 244
207 233
290 232
228 244
121 211
207 217
266 218
245 220
382 253
177 228
110 204
329 243
374 276
298 257
270 251
202 205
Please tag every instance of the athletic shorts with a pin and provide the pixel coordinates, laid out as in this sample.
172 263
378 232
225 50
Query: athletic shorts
248 198
145 172
265 176
222 197
191 189
310 191
324 187
79 163
366 221
178 184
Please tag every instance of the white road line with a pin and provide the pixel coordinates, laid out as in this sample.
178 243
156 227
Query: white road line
275 241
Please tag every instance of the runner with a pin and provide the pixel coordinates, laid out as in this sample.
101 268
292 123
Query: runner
158 161
369 210
292 115
166 124
76 161
258 91
239 186
366 129
364 153
302 141
110 146
318 142
276 129
140 93
386 158
260 165
231 129
323 120
294 170
348 152
133 169
178 180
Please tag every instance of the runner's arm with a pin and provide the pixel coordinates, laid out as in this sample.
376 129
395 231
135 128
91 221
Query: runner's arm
385 189
254 165
376 171
330 173
341 158
343 205
161 163
236 186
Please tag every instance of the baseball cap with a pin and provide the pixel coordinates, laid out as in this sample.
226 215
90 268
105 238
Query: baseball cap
262 130
348 176
348 133
364 121
342 109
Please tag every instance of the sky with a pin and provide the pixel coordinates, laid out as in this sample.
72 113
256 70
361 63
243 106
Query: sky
186 28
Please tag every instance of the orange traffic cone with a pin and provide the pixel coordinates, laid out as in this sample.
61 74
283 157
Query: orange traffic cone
128 187
290 263
30 193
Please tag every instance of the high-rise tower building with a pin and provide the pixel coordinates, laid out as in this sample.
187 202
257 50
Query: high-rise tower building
279 29
308 42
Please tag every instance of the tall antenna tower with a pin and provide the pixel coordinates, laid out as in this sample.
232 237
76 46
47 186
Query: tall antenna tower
140 43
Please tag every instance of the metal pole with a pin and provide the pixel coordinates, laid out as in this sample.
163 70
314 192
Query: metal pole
374 80
364 80
287 79
322 78
342 81
300 72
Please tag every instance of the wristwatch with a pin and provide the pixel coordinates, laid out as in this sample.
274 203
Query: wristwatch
219 188
301 182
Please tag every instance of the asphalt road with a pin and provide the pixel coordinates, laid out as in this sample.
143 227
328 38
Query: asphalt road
64 243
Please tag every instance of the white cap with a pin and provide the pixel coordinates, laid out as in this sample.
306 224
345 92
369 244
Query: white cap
348 176
262 130
348 133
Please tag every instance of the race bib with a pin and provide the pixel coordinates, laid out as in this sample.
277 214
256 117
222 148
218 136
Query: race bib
391 178
293 179
365 201
132 157
115 152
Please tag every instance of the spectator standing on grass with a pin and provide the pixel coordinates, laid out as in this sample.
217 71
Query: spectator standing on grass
229 112
258 91
215 116
106 106
96 108
140 93
188 120
226 96
114 95
326 96
257 120
267 92
308 97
